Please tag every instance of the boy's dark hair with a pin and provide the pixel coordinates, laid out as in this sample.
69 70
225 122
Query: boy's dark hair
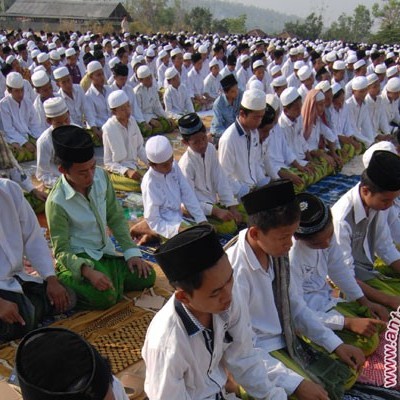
337 94
320 72
268 117
375 55
284 215
367 182
190 284
63 164
196 57
231 59
278 53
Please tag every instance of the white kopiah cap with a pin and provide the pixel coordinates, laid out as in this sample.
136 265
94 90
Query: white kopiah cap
253 100
304 73
158 149
70 52
14 80
359 83
42 57
393 85
372 78
93 66
380 69
289 95
336 87
39 79
273 101
117 98
323 85
59 73
170 73
256 84
143 72
392 71
54 107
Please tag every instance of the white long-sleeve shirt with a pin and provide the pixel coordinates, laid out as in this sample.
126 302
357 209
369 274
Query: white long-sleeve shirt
293 131
177 357
212 85
278 153
149 102
378 115
239 154
46 170
361 120
310 268
177 101
162 199
78 106
24 239
359 245
19 120
123 147
255 287
207 178
341 123
390 109
195 83
99 112
318 130
41 115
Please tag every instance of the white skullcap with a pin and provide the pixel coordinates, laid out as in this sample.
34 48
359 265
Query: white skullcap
93 66
331 57
113 62
35 53
390 55
150 53
339 65
275 69
293 51
359 64
336 87
38 68
359 83
304 73
392 71
143 72
319 96
213 63
139 49
55 38
14 80
61 51
176 51
298 64
279 81
59 73
243 58
393 85
170 73
126 34
203 49
43 57
162 54
168 47
105 41
10 59
54 107
158 149
70 52
39 79
289 95
137 60
253 100
382 145
187 56
258 64
117 98
273 101
256 84
372 78
114 43
351 59
324 86
52 46
380 69
55 55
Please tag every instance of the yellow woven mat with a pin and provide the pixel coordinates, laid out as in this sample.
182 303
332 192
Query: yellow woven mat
118 333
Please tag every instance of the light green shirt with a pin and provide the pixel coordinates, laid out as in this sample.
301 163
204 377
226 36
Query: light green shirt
78 224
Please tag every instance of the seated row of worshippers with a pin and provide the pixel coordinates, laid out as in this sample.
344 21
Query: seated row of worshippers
257 319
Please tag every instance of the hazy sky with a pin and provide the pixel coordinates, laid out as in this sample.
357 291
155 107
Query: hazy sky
331 9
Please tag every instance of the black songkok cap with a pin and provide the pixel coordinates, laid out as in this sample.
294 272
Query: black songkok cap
57 364
190 124
72 144
120 69
189 252
384 170
228 81
314 214
275 194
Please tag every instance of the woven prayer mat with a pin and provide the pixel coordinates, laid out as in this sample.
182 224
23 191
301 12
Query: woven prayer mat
118 333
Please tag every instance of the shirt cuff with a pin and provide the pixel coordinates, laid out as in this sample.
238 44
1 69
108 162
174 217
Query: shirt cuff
132 252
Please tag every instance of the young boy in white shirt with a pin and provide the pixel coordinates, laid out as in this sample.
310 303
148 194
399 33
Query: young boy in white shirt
123 145
277 313
362 231
200 166
201 333
316 255
165 190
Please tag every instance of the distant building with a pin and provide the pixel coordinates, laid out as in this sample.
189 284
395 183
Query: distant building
55 11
